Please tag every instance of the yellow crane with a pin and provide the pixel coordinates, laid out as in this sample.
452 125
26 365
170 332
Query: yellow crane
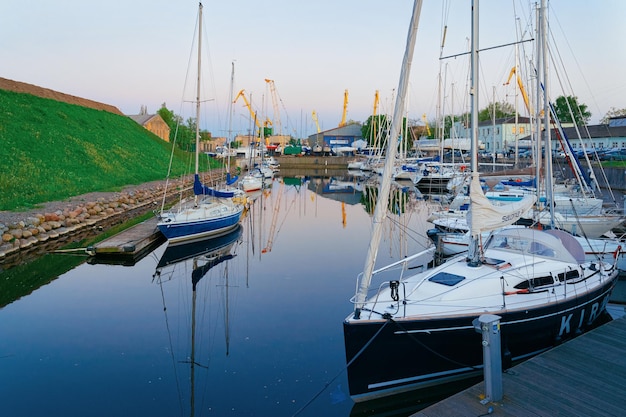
345 109
374 118
272 232
376 99
277 124
267 123
247 103
426 123
314 116
521 87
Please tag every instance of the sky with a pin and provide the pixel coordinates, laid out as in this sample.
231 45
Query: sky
134 53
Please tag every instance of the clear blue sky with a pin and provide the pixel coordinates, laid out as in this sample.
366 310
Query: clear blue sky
130 53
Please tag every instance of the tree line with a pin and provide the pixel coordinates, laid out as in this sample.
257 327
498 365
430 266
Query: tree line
182 132
566 108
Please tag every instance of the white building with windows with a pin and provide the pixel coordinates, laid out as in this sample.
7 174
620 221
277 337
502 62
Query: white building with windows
499 135
502 135
598 137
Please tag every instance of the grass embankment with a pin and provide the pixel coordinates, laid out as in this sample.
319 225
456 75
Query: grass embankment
52 150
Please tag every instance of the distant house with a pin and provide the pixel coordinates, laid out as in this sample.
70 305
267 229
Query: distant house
153 123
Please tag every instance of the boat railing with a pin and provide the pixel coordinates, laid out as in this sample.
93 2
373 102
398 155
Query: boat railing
402 265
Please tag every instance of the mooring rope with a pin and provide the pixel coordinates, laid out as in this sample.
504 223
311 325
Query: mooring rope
327 384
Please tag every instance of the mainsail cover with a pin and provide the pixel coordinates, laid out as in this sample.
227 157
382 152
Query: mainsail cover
201 189
484 216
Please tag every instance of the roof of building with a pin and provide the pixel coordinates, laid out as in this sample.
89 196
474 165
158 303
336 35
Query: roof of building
353 130
142 119
505 120
591 131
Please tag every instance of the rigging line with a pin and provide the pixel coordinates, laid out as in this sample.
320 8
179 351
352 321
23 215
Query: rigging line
580 226
488 49
169 336
418 234
579 111
327 384
554 17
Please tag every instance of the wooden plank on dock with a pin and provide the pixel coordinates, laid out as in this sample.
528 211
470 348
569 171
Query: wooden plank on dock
583 377
131 243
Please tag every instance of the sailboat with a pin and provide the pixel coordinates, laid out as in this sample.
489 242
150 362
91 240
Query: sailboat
204 255
209 212
415 329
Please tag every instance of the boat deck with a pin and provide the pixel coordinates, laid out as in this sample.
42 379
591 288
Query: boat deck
583 377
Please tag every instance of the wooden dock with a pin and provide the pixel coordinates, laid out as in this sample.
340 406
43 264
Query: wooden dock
130 245
583 377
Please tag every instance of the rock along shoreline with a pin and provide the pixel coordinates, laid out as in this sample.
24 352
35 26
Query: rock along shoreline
31 234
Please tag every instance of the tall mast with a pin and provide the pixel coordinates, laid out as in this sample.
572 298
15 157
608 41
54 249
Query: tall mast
538 107
380 212
546 111
198 87
473 252
230 118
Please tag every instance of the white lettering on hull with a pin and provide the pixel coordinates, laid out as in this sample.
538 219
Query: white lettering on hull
596 308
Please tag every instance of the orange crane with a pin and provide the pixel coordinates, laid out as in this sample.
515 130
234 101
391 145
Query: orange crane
345 109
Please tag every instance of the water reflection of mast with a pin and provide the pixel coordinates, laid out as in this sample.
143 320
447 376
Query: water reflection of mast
192 361
214 251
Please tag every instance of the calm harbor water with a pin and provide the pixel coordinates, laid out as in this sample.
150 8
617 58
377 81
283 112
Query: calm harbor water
260 336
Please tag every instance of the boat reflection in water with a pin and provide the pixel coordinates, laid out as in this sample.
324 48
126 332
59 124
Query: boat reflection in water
203 255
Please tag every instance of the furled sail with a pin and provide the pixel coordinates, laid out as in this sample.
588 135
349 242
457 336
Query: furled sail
201 189
484 216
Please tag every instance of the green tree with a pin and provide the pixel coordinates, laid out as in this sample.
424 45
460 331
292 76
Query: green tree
167 115
580 113
448 122
170 119
613 112
375 130
182 134
502 109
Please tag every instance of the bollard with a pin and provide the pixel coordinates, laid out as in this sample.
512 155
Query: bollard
489 326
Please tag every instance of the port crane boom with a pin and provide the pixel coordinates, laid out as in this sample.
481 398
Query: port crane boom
277 123
345 109
314 116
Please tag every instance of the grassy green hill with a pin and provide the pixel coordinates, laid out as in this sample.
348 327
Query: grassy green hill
52 150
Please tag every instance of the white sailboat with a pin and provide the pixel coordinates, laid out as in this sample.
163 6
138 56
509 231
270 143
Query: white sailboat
208 212
416 330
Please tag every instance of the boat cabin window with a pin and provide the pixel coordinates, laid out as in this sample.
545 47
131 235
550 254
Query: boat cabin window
573 274
446 278
520 244
535 282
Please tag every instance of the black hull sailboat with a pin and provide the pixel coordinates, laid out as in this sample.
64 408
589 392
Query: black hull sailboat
388 357
415 329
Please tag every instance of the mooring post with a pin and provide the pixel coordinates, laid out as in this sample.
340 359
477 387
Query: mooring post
489 326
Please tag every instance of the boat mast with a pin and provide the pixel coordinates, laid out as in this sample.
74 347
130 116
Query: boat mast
230 119
540 180
198 88
546 112
380 212
473 251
